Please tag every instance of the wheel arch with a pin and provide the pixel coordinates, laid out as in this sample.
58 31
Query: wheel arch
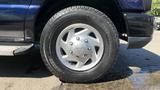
50 7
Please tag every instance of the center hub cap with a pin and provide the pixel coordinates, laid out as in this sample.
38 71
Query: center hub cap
79 47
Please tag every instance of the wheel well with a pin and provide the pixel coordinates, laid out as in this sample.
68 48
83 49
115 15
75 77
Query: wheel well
50 7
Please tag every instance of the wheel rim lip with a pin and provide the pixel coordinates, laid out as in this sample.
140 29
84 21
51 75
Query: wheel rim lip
79 25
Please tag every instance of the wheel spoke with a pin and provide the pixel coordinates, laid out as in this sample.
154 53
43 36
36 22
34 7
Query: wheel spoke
63 45
80 64
94 41
83 32
94 55
68 58
71 34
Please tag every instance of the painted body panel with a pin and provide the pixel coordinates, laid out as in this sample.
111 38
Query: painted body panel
18 17
135 5
12 17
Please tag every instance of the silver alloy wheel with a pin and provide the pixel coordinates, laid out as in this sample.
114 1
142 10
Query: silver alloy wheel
79 47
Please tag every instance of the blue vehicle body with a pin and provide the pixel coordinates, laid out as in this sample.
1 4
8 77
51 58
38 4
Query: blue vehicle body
12 16
18 18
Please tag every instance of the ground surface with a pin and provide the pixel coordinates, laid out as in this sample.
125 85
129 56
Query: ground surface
137 69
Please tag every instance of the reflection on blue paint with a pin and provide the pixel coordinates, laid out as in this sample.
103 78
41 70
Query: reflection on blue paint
132 4
5 6
13 9
34 6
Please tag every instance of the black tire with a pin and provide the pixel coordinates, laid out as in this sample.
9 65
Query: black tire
79 14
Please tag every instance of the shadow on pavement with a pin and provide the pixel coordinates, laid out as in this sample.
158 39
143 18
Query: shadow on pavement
28 66
146 60
31 65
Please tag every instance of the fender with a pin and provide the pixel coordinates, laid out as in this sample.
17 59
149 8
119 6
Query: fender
39 7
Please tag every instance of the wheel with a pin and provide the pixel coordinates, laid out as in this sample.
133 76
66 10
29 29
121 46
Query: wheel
79 44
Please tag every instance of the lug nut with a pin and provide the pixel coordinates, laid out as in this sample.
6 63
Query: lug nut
85 55
86 41
77 56
71 43
89 48
78 38
71 52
